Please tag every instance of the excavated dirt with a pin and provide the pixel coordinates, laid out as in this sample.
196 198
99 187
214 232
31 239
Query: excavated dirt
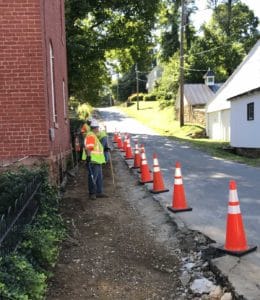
125 246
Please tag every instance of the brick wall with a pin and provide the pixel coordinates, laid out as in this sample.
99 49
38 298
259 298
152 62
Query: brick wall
27 27
54 23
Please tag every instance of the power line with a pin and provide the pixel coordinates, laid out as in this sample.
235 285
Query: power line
212 49
194 70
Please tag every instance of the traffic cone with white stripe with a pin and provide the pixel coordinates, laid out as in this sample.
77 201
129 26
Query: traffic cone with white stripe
142 150
115 137
236 242
145 173
158 185
128 152
137 157
179 203
125 142
119 142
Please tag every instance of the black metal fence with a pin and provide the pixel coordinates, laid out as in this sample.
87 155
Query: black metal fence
13 222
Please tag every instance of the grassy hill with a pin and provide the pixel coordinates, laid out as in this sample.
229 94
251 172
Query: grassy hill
162 121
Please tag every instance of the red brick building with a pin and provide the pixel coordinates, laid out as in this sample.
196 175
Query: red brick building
33 82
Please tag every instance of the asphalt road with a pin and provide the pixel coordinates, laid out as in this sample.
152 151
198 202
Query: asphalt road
206 181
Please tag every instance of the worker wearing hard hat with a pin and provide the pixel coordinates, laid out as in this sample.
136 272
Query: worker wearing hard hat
95 159
86 126
102 135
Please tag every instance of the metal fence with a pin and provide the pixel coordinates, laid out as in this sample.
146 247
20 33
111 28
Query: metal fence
13 222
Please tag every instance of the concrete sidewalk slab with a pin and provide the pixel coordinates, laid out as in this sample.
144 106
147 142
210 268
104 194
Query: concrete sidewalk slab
243 273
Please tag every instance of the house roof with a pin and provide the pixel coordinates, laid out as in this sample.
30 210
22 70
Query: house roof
197 93
242 94
209 73
244 79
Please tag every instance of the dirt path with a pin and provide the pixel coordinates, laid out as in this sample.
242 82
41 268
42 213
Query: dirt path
122 247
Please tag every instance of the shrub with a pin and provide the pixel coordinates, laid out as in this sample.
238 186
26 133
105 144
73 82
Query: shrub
133 97
13 184
41 240
150 97
19 279
23 274
84 110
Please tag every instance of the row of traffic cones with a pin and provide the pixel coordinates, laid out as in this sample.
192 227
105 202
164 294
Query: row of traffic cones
235 242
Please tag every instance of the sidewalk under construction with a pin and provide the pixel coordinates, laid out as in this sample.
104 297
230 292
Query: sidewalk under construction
128 247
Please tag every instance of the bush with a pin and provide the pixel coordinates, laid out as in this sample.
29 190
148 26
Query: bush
19 279
75 125
84 111
133 97
23 274
41 241
150 97
13 184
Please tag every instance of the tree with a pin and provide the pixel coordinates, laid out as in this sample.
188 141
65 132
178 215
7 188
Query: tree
224 42
127 84
94 28
169 23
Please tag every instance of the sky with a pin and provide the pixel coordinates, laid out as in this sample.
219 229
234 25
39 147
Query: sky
203 14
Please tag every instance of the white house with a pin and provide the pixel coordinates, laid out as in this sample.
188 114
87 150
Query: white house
245 119
245 78
152 78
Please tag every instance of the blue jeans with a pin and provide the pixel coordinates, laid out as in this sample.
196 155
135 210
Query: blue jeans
95 178
104 142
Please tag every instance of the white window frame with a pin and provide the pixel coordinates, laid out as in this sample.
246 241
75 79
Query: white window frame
64 99
53 98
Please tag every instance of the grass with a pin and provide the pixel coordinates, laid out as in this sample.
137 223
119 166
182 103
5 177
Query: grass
162 121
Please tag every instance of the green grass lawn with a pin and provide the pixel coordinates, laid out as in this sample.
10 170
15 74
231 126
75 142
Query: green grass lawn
162 121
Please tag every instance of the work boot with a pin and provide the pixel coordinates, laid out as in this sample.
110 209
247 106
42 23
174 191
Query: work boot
92 197
102 195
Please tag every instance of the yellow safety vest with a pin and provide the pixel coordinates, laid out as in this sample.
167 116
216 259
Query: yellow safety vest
97 154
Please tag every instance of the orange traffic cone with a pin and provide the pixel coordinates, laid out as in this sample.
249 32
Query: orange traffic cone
128 153
119 142
137 157
179 203
125 142
115 137
145 173
236 243
158 185
142 150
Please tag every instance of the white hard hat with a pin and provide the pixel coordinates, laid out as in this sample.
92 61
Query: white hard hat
94 123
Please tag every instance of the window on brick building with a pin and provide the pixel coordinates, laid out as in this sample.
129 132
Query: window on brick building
53 98
64 99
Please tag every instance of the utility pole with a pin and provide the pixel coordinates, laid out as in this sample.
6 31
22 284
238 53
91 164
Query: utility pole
137 87
182 63
117 88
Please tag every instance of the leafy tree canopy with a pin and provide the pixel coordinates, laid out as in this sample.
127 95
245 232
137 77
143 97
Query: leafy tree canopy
220 48
101 29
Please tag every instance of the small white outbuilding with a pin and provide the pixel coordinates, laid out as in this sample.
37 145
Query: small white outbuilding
245 119
245 78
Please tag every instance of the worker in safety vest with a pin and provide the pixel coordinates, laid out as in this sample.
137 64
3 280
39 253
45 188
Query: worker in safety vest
102 135
95 159
84 130
86 127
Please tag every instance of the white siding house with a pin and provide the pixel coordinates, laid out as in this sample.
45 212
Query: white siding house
245 120
245 78
153 77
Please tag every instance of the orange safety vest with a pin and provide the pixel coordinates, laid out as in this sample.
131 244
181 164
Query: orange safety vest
93 145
